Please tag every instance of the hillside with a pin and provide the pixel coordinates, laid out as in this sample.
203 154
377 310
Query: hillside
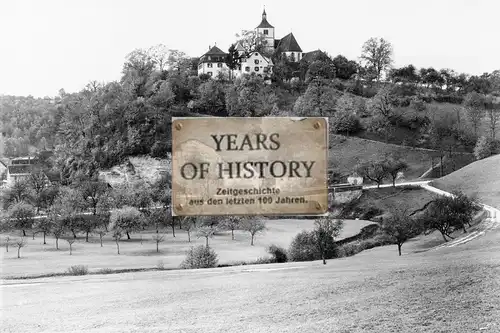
481 179
137 168
346 152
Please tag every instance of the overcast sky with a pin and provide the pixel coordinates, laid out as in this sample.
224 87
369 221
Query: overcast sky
47 45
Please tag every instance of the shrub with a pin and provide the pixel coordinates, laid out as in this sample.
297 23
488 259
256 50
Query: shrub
105 271
278 253
200 257
303 247
78 270
160 265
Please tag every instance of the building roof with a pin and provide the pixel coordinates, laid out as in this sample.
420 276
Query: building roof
19 169
289 44
264 23
3 164
311 56
53 176
214 50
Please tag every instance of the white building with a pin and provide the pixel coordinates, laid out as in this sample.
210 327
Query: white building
256 63
213 62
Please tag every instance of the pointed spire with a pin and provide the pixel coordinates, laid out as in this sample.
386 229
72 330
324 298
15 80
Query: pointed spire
264 15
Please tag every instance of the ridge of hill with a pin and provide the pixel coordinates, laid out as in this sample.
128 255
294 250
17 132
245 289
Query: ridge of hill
480 179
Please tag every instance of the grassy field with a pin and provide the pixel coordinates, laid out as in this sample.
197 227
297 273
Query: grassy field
37 258
447 290
388 197
347 152
480 179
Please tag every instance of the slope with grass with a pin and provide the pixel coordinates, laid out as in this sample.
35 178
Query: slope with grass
346 152
450 290
480 179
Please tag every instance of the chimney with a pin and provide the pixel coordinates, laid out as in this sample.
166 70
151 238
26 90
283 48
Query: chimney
209 47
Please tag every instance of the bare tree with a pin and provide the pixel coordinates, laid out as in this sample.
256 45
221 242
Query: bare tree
253 225
493 113
7 240
101 232
158 239
117 235
205 231
70 241
189 226
21 242
232 223
474 105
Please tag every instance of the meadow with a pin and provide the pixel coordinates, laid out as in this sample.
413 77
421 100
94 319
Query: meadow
140 250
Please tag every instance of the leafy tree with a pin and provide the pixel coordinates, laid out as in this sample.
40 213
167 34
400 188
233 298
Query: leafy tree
252 41
303 247
483 148
449 213
232 58
127 219
325 231
395 165
405 75
93 191
318 100
38 184
344 68
321 70
44 225
377 54
21 216
249 97
253 225
400 226
211 98
474 104
375 171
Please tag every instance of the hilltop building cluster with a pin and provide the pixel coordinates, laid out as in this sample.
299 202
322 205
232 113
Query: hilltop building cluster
213 61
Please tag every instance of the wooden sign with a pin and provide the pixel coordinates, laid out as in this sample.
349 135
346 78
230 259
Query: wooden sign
249 166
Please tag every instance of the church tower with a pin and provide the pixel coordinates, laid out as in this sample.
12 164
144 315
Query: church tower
267 30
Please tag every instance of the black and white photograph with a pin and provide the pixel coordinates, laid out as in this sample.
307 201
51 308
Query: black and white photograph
249 167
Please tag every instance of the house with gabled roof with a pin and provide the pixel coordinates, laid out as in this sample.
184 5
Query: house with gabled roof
213 62
22 168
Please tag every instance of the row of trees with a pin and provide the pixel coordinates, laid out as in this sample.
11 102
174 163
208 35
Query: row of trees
376 170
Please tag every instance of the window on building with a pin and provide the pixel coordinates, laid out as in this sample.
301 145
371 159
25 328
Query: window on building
256 54
200 66
219 64
209 65
247 69
266 32
257 69
209 73
256 61
266 69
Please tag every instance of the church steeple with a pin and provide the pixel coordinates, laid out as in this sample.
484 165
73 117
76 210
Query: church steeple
264 15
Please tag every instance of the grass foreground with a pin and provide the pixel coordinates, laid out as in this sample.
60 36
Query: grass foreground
447 290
